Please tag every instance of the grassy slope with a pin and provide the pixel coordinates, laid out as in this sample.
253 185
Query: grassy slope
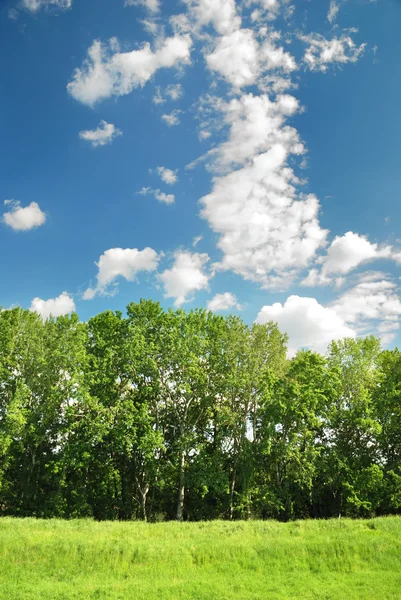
327 560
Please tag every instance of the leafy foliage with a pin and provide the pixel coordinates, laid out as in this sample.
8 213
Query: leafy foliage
190 415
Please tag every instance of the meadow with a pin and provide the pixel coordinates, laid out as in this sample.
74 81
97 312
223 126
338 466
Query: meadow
87 560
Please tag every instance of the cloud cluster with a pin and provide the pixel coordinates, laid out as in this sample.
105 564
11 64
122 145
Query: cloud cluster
307 323
221 14
243 61
119 262
167 175
158 195
186 276
108 72
346 253
268 231
322 52
371 306
55 307
23 218
172 119
36 5
269 8
152 6
267 228
221 302
104 134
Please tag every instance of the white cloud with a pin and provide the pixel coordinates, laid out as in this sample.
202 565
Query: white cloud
36 5
243 61
150 5
369 301
165 198
236 58
308 323
204 135
153 26
158 195
321 52
275 57
173 118
256 124
347 252
333 11
222 14
224 301
104 134
268 231
158 98
174 91
371 307
55 307
167 175
196 240
24 218
119 262
185 277
107 72
271 8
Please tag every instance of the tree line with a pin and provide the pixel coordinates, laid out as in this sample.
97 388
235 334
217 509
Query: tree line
191 415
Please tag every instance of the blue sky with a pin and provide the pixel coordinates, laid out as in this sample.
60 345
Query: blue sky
240 156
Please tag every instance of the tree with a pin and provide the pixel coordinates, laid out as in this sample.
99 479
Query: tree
352 428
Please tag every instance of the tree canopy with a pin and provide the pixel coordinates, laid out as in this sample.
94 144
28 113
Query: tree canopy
190 415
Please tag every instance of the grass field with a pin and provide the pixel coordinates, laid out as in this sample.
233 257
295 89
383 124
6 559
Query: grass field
326 560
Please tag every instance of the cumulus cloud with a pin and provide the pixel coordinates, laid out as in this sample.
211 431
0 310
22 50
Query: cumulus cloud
172 119
269 8
186 276
236 58
54 307
174 91
104 134
36 5
224 301
167 175
152 6
221 14
322 52
346 253
23 218
369 301
256 124
268 231
307 323
108 72
119 262
165 198
373 306
242 60
158 195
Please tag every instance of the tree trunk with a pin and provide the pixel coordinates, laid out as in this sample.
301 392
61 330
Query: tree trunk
181 487
143 495
233 479
232 489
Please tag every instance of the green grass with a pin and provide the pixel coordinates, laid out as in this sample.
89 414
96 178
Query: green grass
326 560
